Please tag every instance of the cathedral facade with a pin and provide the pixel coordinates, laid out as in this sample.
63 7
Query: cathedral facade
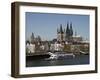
65 34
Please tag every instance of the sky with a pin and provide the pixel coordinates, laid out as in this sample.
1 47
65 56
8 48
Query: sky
46 24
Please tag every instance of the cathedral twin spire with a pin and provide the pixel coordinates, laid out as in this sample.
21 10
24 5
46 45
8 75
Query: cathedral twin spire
68 31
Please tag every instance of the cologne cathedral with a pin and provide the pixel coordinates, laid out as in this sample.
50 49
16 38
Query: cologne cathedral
65 34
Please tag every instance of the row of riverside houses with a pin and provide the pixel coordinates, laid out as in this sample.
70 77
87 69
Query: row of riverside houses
65 41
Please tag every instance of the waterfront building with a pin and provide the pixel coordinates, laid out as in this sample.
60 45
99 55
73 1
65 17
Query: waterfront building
57 46
52 47
30 48
27 47
77 38
42 47
60 34
35 39
65 34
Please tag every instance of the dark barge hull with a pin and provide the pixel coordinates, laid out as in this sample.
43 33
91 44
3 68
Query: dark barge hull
37 57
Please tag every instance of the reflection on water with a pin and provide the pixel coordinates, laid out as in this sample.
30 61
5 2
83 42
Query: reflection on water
78 59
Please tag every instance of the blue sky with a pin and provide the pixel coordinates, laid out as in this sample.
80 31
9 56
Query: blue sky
46 24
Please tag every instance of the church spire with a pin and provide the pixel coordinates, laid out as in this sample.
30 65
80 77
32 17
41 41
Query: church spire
32 36
61 30
71 30
64 30
75 33
57 30
67 29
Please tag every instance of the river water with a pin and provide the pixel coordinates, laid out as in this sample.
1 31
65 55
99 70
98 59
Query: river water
77 60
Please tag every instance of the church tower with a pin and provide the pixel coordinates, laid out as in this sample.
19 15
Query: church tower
60 34
65 34
69 31
32 38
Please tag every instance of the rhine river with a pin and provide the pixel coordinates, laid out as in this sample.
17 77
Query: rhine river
77 60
